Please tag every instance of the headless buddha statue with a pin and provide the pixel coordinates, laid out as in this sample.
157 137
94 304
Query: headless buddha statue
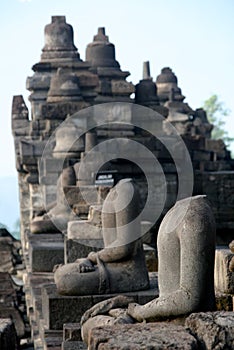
59 213
186 249
120 266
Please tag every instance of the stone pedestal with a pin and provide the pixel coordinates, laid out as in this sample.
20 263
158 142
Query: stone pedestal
45 251
58 309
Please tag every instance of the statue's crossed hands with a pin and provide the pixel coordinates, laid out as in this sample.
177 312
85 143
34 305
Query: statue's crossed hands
85 265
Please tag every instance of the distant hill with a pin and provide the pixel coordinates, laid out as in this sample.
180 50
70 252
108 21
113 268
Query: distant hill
9 201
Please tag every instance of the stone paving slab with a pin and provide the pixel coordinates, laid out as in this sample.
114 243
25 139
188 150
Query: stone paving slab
213 330
143 336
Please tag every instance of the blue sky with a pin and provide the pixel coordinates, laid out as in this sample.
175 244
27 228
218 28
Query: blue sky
194 38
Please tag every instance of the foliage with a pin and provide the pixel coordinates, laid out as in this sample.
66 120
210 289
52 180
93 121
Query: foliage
3 226
216 113
16 231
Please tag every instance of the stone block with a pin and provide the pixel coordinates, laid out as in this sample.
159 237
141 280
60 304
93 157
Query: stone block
224 278
20 124
213 330
75 249
114 133
49 179
83 229
72 332
52 343
19 108
119 87
87 79
44 253
153 336
224 302
73 345
52 165
8 337
201 155
80 195
32 149
150 258
58 309
14 315
62 109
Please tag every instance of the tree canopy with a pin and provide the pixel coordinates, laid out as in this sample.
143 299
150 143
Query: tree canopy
216 113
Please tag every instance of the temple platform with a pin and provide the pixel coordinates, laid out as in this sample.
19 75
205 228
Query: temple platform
48 311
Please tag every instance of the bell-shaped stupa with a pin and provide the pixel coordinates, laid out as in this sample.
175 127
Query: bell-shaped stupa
146 92
59 43
166 81
101 53
64 86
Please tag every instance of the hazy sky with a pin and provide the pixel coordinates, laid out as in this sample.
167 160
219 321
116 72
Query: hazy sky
193 37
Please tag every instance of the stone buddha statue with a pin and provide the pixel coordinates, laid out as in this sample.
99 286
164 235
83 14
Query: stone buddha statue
59 213
120 265
186 249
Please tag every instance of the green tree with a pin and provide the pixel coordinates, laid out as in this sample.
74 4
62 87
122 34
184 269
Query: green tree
3 226
216 113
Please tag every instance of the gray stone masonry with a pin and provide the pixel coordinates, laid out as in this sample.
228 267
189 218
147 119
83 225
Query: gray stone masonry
213 330
153 336
99 79
8 337
58 309
45 251
224 278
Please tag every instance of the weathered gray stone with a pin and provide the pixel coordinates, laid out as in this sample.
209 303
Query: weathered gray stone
8 337
9 254
224 278
153 336
14 314
19 108
186 281
64 86
59 41
72 332
60 110
58 309
213 330
76 249
231 264
120 266
104 81
73 345
224 302
44 254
